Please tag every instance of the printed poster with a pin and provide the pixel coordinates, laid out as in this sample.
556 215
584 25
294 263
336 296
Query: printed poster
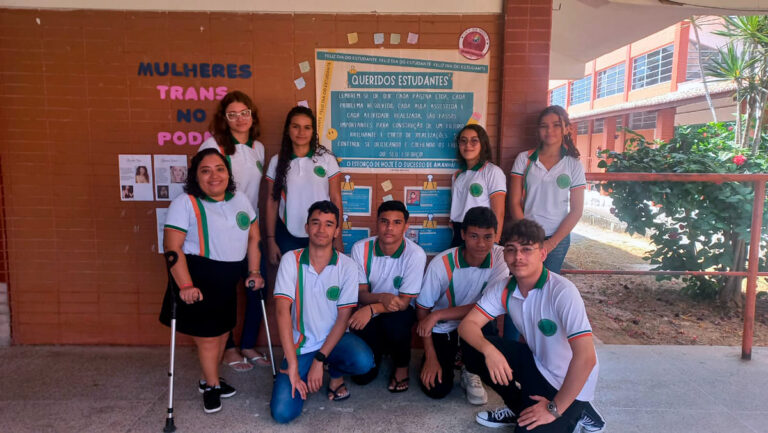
170 176
351 235
424 202
160 214
136 178
385 110
432 240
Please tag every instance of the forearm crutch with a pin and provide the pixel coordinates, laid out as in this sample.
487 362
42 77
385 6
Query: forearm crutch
170 259
260 294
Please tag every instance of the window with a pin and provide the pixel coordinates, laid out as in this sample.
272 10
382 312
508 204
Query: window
610 81
708 54
599 124
652 68
642 120
557 96
581 90
582 128
619 122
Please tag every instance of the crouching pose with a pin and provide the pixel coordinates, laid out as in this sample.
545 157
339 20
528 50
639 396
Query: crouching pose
315 292
392 268
454 281
556 367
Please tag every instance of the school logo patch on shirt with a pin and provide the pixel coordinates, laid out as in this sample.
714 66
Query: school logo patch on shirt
260 166
547 327
563 181
242 220
319 171
476 190
333 293
397 281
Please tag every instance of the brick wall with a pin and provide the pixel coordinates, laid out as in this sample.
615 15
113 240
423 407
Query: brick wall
82 265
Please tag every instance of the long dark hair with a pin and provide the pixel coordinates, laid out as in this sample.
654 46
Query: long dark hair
219 127
192 186
568 145
286 149
485 144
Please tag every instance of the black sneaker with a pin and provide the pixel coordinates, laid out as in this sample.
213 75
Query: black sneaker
591 421
211 400
497 418
227 390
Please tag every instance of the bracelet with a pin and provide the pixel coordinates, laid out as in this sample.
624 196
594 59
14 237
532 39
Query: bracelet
256 271
186 286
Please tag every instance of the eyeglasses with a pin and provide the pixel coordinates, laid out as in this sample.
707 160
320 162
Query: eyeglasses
243 114
473 140
526 251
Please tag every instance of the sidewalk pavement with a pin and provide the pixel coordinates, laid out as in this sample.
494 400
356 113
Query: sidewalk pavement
659 389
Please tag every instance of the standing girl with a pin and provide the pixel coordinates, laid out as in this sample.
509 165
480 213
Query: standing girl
547 185
303 172
235 129
479 182
211 229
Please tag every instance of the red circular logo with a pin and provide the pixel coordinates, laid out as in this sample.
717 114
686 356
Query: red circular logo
474 43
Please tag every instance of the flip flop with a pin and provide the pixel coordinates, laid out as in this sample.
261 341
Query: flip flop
398 384
336 392
240 366
260 360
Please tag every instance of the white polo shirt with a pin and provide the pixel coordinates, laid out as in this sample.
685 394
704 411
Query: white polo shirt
547 193
217 230
475 187
451 282
549 318
316 297
247 166
306 182
398 274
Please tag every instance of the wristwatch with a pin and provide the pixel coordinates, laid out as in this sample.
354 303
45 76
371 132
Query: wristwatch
552 408
320 357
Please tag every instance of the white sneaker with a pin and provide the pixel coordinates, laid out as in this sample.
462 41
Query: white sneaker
474 386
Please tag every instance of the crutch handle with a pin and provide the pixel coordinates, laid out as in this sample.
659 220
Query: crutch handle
259 293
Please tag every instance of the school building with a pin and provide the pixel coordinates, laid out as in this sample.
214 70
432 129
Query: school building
650 86
80 265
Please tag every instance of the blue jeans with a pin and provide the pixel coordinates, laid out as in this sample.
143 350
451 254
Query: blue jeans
350 356
553 262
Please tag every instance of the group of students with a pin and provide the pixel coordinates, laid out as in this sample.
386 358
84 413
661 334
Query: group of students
344 313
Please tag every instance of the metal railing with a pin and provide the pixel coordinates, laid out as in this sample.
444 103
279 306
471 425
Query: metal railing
759 181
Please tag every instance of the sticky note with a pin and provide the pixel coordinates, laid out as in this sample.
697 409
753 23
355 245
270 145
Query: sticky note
413 38
378 38
303 103
387 197
300 83
386 185
352 38
394 38
304 67
477 116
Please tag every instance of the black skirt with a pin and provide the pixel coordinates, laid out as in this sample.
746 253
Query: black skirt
216 314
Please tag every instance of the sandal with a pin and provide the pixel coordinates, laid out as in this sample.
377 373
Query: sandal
240 366
261 360
396 386
336 394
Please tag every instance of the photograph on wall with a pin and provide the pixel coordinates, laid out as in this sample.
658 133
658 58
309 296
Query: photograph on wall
385 110
423 202
170 176
135 178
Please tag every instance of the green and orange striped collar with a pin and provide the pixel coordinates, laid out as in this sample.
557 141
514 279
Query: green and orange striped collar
304 258
463 262
396 255
227 197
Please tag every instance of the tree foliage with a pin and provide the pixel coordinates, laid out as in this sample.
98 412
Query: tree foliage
693 225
